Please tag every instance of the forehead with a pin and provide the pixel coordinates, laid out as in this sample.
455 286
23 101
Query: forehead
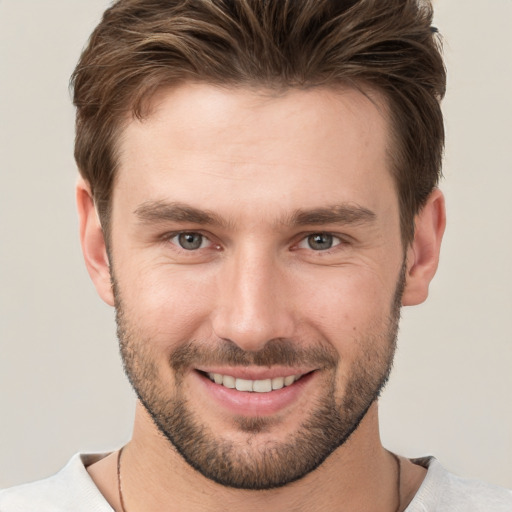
203 143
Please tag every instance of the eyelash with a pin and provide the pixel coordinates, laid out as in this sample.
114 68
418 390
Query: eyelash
171 236
305 239
334 239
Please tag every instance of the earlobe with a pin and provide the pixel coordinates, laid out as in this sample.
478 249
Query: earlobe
423 252
93 242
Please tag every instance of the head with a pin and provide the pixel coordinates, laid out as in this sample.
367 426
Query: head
265 175
142 46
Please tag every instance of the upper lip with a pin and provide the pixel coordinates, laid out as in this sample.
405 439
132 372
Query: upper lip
255 373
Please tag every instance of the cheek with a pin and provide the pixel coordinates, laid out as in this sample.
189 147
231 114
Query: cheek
350 297
166 306
169 305
348 305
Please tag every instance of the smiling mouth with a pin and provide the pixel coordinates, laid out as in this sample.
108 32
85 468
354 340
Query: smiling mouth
253 386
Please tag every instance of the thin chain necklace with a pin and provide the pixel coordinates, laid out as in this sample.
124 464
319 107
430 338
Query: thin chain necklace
119 486
398 480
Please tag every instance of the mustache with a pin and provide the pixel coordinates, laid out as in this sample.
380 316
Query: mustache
276 352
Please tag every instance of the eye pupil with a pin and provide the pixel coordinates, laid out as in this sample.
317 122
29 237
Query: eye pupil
320 241
190 241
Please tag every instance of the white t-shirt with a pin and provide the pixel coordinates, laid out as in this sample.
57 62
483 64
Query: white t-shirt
72 490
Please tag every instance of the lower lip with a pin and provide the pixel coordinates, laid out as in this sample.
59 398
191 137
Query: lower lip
247 403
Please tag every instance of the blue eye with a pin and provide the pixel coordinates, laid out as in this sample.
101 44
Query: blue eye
319 242
190 241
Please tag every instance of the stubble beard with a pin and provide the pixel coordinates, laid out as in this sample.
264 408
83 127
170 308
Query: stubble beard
252 465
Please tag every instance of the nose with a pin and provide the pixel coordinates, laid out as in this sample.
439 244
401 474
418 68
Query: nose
254 301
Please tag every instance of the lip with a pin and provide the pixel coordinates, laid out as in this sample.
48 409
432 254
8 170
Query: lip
256 373
243 403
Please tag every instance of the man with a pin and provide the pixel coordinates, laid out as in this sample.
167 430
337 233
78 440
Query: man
257 200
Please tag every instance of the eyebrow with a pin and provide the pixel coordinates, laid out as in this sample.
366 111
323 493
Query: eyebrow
162 211
345 213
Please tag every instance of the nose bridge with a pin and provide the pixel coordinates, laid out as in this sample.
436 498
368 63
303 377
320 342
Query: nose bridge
249 311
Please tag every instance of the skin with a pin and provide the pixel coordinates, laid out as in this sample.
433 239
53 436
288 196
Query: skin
253 159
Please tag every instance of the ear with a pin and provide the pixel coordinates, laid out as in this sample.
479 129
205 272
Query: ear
423 252
93 242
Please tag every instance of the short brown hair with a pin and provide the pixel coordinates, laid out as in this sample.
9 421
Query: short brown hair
141 46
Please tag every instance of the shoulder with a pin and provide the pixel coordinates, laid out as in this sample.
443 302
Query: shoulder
442 491
71 489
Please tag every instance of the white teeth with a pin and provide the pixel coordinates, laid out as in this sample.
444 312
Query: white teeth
228 381
243 385
257 386
277 382
262 386
289 380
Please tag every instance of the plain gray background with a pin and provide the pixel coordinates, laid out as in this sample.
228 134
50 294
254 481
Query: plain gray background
62 387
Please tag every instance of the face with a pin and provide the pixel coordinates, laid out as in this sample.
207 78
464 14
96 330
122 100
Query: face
258 269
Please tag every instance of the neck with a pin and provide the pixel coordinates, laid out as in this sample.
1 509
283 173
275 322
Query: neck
359 475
